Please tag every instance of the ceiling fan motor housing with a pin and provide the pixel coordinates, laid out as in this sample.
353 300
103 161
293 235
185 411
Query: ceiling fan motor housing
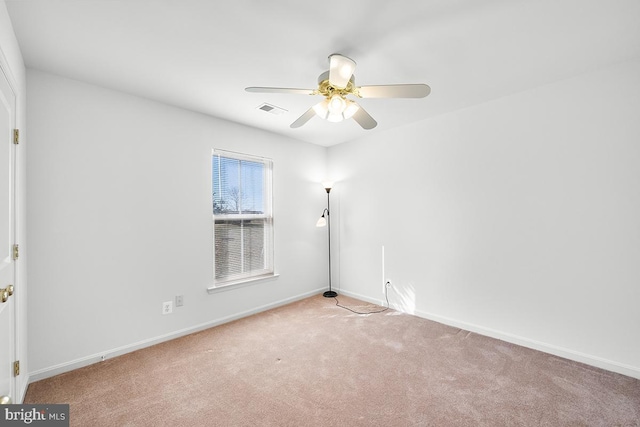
326 89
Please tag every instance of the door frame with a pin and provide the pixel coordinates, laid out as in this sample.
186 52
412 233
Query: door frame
18 386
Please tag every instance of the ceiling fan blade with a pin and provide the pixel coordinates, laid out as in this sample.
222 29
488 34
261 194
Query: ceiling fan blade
364 119
303 118
395 91
280 90
341 69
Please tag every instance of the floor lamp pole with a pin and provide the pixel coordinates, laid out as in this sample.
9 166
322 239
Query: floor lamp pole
329 293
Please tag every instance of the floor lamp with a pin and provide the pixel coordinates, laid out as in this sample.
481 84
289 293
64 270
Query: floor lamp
325 220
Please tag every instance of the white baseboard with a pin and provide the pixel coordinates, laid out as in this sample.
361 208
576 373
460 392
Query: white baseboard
109 354
609 365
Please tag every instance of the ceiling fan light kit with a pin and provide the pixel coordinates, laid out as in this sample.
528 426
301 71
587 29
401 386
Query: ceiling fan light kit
339 82
335 109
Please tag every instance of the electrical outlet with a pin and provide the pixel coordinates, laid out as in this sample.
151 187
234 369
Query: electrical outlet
167 307
179 300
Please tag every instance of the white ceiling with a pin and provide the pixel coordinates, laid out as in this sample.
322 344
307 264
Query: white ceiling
201 54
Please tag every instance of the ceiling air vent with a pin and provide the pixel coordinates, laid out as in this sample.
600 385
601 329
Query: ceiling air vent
272 109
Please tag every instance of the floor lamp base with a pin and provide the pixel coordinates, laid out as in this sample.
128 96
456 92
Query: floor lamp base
330 294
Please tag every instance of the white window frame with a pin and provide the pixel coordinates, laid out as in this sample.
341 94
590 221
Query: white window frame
268 272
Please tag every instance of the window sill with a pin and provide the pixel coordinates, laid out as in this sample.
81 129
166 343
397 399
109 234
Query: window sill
241 283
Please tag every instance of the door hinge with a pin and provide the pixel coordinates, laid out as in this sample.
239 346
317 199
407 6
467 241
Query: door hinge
16 252
16 136
16 368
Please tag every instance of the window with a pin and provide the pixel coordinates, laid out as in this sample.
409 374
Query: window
242 217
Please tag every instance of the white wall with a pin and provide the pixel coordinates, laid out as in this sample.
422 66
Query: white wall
517 218
120 221
12 59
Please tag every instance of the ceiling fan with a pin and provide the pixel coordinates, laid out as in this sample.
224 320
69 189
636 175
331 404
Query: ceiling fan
339 82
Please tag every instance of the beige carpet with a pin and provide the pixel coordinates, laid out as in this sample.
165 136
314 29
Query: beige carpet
312 363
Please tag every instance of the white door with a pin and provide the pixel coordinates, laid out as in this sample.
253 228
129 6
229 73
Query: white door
7 236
